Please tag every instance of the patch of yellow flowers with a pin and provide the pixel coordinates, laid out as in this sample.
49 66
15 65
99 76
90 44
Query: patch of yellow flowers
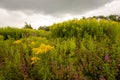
34 59
40 50
17 42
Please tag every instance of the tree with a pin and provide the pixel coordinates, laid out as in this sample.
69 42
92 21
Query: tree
27 26
113 17
46 28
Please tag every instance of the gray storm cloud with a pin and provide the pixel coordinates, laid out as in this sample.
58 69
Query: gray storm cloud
53 6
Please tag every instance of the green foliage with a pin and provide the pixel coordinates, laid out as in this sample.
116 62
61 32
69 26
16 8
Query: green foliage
92 27
86 49
16 33
1 37
110 17
27 26
46 28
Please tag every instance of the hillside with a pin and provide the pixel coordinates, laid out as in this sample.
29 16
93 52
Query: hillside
85 49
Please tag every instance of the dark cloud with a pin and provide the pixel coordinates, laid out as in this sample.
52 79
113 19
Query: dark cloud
53 6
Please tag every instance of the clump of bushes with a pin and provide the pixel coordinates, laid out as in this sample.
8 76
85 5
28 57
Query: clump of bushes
15 33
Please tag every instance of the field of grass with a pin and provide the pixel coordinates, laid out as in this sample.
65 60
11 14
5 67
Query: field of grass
86 49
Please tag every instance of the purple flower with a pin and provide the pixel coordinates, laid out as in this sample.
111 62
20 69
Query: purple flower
22 66
107 57
102 78
84 78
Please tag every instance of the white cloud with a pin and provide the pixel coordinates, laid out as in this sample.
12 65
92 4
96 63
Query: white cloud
107 9
11 18
18 19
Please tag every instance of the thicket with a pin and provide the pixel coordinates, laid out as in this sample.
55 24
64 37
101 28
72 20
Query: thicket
15 33
86 49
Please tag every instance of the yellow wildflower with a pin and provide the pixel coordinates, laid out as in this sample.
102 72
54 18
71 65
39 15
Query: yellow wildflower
50 47
34 49
42 46
17 42
34 59
38 51
33 43
42 49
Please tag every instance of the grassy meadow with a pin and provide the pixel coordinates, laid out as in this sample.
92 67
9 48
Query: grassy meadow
85 49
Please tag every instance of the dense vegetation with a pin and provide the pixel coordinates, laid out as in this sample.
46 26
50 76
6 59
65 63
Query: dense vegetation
86 49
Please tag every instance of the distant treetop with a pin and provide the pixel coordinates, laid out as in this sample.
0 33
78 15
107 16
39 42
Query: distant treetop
27 26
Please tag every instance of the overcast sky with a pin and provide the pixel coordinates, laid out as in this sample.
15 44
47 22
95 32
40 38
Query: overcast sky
46 12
